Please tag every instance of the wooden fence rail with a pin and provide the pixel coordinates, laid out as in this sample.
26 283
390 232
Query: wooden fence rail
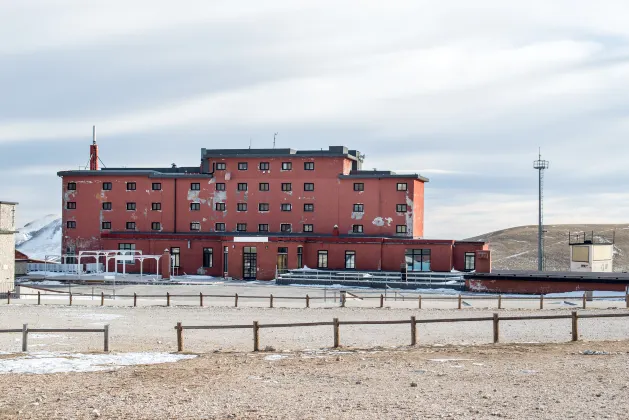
413 321
25 331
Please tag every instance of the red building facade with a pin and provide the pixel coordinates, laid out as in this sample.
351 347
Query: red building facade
247 213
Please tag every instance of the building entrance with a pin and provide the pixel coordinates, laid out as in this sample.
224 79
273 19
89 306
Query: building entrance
249 263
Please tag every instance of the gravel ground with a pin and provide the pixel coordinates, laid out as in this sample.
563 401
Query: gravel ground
547 381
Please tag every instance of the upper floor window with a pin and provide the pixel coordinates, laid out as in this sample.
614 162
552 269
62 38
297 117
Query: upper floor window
309 207
286 207
264 166
242 166
219 227
359 186
359 208
106 225
157 186
195 206
242 186
195 226
195 186
400 208
287 186
131 186
130 225
400 229
156 226
220 186
242 207
263 206
131 206
156 206
308 186
308 228
71 224
357 228
71 205
286 227
309 166
402 186
263 227
72 186
241 227
107 205
264 186
287 166
221 166
219 206
107 186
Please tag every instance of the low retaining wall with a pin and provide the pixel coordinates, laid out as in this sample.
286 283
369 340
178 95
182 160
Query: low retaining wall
372 284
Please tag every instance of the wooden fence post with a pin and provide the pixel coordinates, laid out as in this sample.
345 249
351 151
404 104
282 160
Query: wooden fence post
39 298
460 301
8 297
106 338
201 299
236 300
307 301
70 294
575 326
419 301
496 320
271 301
25 337
179 337
337 335
256 336
499 301
627 299
343 299
167 299
135 299
382 301
541 301
413 331
584 300
102 298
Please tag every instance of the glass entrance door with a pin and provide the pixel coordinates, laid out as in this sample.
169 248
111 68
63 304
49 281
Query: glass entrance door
249 263
282 260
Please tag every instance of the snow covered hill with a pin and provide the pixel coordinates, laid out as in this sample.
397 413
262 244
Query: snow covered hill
40 237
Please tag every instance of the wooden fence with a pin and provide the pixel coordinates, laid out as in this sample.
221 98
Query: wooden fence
413 322
25 331
343 298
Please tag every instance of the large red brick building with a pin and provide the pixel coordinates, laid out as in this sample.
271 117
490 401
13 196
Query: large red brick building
247 213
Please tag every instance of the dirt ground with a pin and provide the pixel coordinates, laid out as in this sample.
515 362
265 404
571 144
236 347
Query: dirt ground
544 381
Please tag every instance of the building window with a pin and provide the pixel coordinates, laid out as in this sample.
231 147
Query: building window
219 227
263 227
175 254
286 228
221 166
156 226
287 186
156 206
264 166
400 229
300 257
107 186
130 225
242 207
106 225
107 205
241 227
308 186
469 261
322 259
219 206
220 186
72 186
402 186
359 208
157 186
308 228
131 186
208 257
242 186
71 224
71 205
264 186
131 206
308 207
195 226
400 208
359 186
308 166
263 207
350 260
242 166
357 228
195 206
286 207
287 166
417 259
195 186
127 247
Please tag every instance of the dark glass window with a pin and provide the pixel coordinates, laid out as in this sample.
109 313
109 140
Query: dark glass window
400 208
322 259
131 206
219 206
219 227
208 257
350 260
220 186
195 186
264 186
71 224
241 227
309 186
130 225
308 228
286 207
195 206
156 206
263 207
359 186
469 261
107 186
287 186
357 228
359 208
264 166
72 186
400 229
417 259
308 207
309 166
131 186
221 166
287 166
402 186
242 186
106 225
175 254
242 166
195 226
157 186
156 226
71 205
263 227
285 227
242 207
107 205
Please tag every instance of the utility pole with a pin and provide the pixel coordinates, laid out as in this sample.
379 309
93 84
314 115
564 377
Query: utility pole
274 136
540 165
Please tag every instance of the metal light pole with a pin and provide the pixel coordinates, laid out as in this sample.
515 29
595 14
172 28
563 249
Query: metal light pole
540 165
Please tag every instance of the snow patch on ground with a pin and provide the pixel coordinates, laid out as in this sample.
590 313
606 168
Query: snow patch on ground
59 362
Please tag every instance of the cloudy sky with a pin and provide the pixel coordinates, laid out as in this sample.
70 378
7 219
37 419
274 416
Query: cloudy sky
461 92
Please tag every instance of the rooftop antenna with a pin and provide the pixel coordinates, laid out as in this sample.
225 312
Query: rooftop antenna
540 165
249 142
93 134
274 136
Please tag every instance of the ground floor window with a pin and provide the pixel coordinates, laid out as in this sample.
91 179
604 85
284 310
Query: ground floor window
127 247
417 259
300 257
175 254
208 257
322 259
282 260
350 260
469 261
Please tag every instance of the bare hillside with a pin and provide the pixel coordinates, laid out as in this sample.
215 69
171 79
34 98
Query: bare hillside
516 248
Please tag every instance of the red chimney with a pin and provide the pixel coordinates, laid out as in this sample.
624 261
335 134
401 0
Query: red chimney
94 152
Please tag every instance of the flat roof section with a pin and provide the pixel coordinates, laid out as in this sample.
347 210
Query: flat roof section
333 151
11 203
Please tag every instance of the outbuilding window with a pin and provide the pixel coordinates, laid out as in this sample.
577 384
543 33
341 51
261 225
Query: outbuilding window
469 261
322 259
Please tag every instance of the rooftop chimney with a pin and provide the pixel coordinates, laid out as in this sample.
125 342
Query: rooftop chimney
94 152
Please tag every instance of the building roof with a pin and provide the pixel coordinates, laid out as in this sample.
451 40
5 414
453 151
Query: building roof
333 151
148 172
11 203
19 256
381 174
